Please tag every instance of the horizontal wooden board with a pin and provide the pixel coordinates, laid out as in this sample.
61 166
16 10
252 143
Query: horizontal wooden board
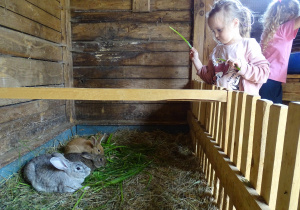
113 16
18 132
19 44
133 83
130 72
291 91
171 4
127 5
32 12
139 112
17 22
50 6
107 94
101 5
26 146
14 112
121 31
131 59
130 45
17 72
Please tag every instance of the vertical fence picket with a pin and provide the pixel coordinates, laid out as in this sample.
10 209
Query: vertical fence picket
221 196
239 129
250 109
217 121
226 122
210 112
273 154
203 108
194 104
259 142
232 124
200 87
289 183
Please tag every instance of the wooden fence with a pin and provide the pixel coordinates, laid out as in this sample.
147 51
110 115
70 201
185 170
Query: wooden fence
249 150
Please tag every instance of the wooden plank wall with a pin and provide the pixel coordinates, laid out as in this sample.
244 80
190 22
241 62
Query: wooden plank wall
128 44
31 55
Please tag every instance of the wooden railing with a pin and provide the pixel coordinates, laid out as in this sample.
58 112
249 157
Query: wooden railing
249 150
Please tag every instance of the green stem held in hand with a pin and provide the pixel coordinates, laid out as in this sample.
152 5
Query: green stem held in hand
221 59
181 36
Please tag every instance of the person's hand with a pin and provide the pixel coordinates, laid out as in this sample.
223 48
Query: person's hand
194 54
233 64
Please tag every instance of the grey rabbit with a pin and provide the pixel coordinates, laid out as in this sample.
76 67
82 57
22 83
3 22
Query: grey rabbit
54 173
93 161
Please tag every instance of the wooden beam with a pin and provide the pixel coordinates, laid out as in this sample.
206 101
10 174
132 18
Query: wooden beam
107 94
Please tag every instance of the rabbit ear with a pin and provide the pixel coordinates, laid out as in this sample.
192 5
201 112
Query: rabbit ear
94 140
103 137
59 163
87 155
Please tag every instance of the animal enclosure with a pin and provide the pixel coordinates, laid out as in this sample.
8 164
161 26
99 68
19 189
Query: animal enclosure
72 63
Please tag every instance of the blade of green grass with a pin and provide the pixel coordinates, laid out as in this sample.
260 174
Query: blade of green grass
221 59
181 36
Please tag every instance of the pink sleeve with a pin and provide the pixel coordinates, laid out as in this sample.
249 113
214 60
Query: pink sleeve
287 30
257 69
206 73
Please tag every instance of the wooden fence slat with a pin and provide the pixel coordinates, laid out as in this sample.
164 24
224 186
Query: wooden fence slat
248 135
259 142
232 124
239 129
226 122
218 121
273 154
201 84
289 183
203 108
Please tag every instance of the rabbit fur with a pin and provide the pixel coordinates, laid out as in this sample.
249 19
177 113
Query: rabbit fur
92 161
54 173
79 145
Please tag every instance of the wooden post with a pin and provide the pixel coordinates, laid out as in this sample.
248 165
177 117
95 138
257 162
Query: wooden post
199 31
67 55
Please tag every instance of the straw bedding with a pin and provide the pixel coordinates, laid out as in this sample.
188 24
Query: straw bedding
145 170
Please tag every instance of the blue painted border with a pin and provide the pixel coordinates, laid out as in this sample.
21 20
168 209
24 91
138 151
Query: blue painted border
82 130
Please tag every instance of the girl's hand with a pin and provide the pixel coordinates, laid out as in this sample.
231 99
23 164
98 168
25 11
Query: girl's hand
234 64
194 54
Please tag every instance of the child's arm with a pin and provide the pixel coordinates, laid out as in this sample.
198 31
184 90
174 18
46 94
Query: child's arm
297 23
206 73
257 68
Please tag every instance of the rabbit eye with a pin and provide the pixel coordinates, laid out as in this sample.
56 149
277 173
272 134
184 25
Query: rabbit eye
78 168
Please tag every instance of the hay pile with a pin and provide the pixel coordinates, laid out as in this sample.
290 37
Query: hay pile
145 170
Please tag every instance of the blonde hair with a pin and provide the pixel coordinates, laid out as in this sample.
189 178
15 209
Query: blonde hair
276 14
233 9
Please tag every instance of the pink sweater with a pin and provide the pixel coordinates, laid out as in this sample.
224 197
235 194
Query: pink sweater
254 69
279 49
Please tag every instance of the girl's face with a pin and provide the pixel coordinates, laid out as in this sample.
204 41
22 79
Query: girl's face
226 33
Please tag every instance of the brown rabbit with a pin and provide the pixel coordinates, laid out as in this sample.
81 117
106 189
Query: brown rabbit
79 145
